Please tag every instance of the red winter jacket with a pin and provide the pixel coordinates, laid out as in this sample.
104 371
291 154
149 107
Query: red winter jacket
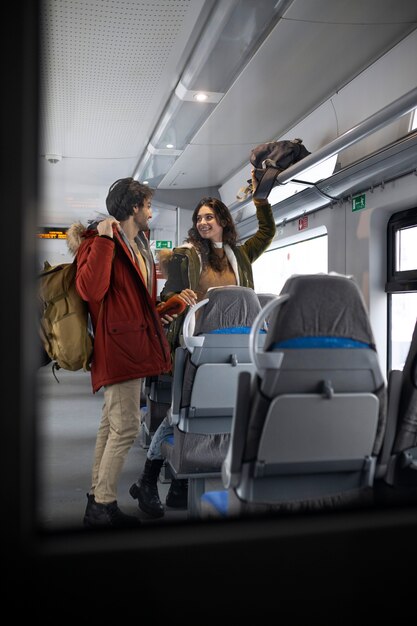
129 341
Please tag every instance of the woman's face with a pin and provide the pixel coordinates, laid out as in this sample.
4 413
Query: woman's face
208 225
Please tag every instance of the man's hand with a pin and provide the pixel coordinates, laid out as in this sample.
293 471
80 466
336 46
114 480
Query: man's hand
105 227
167 319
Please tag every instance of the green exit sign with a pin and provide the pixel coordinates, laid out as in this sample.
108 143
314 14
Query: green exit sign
163 244
358 202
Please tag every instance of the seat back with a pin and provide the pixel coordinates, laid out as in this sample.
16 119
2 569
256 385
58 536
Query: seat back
216 335
158 400
216 349
264 298
309 427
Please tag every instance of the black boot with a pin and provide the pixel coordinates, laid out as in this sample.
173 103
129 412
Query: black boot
146 489
99 515
90 500
177 495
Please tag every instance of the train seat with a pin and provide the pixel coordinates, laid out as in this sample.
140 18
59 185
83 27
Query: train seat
264 298
397 466
216 350
308 428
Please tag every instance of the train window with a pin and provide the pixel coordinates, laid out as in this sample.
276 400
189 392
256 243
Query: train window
401 285
272 269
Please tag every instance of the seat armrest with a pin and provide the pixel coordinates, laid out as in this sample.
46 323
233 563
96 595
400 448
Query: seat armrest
394 394
180 354
232 464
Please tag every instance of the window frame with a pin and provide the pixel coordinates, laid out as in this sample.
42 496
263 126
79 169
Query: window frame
398 281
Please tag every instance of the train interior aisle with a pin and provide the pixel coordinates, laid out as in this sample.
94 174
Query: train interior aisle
68 422
99 90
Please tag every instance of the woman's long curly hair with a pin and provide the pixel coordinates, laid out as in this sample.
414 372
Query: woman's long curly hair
205 246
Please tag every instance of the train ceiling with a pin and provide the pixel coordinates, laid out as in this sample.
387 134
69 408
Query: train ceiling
119 82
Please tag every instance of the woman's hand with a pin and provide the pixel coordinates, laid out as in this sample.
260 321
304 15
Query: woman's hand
189 296
186 297
254 181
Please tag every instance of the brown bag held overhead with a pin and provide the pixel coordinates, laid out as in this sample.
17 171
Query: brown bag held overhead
270 159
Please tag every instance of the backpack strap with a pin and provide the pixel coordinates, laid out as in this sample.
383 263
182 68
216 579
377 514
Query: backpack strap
266 181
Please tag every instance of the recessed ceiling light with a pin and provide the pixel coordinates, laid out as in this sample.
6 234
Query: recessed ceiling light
170 145
200 96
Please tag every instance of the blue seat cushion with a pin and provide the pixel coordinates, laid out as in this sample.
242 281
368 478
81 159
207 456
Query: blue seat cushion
217 499
320 342
233 330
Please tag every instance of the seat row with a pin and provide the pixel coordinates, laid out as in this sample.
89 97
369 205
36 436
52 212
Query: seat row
284 404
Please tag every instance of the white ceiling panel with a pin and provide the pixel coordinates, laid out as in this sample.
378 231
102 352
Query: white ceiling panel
109 68
309 56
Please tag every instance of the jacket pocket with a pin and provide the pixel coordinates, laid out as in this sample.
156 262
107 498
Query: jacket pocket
128 344
125 326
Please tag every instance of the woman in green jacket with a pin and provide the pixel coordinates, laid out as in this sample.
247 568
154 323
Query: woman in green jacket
210 257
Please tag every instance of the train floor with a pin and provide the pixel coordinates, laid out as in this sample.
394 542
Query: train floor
68 418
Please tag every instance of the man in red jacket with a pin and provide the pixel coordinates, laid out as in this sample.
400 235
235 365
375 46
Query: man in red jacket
116 277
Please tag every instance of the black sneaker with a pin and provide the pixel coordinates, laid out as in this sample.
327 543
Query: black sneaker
177 496
99 515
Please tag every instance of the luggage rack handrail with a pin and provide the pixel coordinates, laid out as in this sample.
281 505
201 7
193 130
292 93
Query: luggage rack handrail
399 107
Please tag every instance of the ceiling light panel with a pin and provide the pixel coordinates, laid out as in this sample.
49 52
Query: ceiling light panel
155 167
231 36
232 40
183 125
212 97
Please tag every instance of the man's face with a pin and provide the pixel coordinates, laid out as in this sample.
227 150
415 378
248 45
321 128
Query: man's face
144 215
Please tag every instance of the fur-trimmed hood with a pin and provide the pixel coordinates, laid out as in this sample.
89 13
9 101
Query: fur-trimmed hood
75 234
78 231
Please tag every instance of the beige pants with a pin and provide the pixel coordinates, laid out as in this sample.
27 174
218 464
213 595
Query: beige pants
118 430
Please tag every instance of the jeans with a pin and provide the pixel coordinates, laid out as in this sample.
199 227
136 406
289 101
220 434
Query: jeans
162 433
